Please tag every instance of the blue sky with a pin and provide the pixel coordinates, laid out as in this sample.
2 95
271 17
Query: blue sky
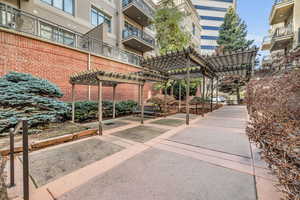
256 15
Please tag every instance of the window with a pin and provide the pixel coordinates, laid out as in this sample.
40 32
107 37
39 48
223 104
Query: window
194 29
58 35
211 28
210 8
98 17
208 47
212 18
64 5
207 37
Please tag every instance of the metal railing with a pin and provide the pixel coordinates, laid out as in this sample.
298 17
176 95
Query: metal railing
266 40
283 31
282 1
21 21
141 4
24 125
135 32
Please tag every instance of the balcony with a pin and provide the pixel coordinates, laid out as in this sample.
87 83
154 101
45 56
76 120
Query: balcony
22 22
266 44
282 38
139 11
138 40
281 10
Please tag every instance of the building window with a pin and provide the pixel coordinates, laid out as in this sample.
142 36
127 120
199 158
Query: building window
98 17
210 8
57 35
64 5
194 29
212 18
211 28
207 37
208 47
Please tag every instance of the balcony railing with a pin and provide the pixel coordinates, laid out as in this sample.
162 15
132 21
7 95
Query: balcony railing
21 21
267 40
141 4
283 31
281 1
139 34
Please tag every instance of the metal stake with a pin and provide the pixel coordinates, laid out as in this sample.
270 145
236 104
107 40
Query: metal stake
25 161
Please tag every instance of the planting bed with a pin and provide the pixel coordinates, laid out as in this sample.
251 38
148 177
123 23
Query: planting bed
141 133
50 164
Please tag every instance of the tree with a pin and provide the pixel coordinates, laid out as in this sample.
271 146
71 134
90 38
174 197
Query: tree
169 34
174 85
233 33
23 96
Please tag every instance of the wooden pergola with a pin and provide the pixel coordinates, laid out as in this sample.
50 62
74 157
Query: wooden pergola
239 62
182 64
106 79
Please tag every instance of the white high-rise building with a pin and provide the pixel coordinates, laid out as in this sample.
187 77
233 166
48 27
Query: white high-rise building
211 14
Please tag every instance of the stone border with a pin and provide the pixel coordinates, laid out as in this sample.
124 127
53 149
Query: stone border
53 141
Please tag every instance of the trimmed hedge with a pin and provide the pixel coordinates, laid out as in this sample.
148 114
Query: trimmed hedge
88 110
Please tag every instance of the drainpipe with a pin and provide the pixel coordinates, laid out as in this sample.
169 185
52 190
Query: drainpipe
89 68
19 4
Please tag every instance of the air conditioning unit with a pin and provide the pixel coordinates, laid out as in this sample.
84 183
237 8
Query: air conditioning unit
12 25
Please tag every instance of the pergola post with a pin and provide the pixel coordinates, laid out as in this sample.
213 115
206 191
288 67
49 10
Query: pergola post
73 103
139 95
100 107
114 101
217 91
165 98
188 65
203 94
179 98
212 94
142 103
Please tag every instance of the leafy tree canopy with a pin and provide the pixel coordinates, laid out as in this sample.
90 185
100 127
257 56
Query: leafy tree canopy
169 33
233 33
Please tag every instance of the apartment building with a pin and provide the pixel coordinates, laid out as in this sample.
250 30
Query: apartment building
119 23
191 22
211 14
284 31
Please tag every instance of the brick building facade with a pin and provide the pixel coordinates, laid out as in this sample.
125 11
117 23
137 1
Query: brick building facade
56 63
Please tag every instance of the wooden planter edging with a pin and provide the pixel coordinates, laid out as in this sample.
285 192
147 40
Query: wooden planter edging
52 141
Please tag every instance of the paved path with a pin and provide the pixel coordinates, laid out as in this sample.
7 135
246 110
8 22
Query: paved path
211 159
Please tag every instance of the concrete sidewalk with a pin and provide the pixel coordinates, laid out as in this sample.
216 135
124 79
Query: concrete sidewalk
210 160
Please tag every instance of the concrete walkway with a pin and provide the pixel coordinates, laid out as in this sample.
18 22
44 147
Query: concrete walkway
211 159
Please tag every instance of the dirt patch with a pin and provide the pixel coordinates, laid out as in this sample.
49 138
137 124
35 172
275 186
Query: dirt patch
141 133
49 165
169 122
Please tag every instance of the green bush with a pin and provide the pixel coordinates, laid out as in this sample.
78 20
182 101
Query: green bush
88 110
25 97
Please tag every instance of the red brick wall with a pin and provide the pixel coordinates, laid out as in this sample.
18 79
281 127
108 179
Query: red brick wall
56 64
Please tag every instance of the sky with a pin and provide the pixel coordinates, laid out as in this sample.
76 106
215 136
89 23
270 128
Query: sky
256 15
